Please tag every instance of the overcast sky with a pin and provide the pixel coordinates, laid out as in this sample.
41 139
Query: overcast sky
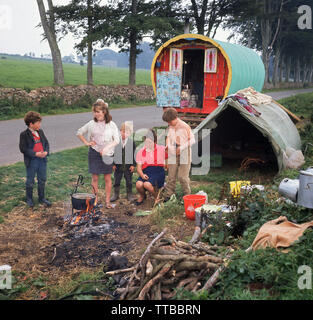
19 34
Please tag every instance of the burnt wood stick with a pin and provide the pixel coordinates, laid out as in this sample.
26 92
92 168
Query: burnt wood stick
154 280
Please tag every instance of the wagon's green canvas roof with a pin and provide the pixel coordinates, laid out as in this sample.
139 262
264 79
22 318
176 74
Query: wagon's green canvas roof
274 123
247 67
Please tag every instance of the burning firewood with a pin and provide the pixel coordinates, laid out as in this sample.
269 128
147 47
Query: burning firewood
168 265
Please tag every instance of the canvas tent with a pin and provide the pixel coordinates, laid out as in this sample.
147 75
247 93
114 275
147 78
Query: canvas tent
235 133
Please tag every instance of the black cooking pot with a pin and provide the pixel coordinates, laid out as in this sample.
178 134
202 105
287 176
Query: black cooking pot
79 200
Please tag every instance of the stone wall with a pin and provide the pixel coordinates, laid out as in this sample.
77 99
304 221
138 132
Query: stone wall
70 94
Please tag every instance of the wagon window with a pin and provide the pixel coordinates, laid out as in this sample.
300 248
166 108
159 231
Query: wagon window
193 76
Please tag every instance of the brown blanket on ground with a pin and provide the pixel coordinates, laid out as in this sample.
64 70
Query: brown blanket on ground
279 233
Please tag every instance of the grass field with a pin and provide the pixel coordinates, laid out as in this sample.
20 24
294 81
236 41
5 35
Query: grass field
26 73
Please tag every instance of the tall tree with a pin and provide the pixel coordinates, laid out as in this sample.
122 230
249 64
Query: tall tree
48 24
167 20
83 18
259 22
208 15
133 20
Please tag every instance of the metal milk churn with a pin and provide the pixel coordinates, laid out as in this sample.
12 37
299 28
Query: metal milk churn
305 194
289 188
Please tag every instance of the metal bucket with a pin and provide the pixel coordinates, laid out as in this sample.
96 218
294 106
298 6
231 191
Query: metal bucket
289 188
309 169
305 195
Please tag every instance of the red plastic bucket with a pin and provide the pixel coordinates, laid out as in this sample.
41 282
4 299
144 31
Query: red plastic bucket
191 202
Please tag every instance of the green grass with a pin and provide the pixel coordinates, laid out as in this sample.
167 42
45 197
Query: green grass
31 74
300 104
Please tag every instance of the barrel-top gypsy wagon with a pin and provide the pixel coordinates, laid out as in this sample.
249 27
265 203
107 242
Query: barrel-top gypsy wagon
192 73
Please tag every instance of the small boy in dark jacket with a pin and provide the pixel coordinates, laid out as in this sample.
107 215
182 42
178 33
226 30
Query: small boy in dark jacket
35 148
124 162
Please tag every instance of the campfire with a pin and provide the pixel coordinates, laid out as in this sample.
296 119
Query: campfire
84 206
85 215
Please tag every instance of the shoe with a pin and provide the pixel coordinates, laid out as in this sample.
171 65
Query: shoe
138 203
29 197
116 195
41 195
130 197
45 202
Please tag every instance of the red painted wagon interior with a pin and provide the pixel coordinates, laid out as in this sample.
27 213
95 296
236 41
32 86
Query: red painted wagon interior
208 87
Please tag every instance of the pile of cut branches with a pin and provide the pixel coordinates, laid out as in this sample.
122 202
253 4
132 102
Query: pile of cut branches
168 265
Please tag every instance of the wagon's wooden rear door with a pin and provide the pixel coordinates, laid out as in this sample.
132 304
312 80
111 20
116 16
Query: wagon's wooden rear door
215 79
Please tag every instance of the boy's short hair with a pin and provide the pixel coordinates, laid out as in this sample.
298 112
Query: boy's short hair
127 127
32 117
170 114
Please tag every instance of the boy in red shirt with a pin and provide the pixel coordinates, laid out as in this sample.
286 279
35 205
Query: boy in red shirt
35 148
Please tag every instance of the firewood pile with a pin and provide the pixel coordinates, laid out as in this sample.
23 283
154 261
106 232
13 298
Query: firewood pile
168 265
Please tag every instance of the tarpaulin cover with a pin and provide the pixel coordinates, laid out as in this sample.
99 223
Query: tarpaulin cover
274 123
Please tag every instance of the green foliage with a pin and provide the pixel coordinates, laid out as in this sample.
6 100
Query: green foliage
85 287
273 271
50 103
300 104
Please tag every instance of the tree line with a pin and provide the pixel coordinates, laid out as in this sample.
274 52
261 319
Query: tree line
278 29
